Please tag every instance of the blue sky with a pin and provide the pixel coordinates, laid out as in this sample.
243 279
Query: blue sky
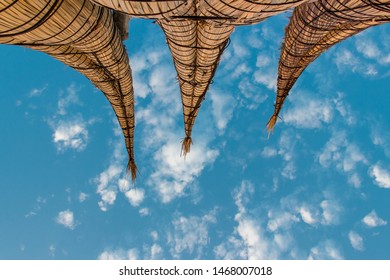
318 188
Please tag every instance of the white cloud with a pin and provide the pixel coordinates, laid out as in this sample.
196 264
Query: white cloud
66 218
262 60
308 112
124 184
289 170
240 70
112 179
70 135
353 155
325 250
174 174
35 92
355 180
356 240
82 196
381 176
367 47
248 240
344 155
239 49
190 234
251 95
68 98
52 250
223 106
330 212
119 254
156 252
280 220
307 216
350 61
144 211
135 196
266 77
269 152
372 220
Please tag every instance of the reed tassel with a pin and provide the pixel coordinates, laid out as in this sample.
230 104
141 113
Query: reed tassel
132 168
271 124
186 146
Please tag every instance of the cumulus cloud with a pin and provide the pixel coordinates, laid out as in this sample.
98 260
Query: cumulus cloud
70 135
356 240
66 218
135 196
307 216
372 220
113 178
380 175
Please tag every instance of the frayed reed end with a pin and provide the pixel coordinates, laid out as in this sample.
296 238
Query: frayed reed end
186 146
132 169
271 124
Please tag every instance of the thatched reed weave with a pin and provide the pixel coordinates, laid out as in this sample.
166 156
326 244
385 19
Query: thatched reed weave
84 36
315 27
87 35
197 33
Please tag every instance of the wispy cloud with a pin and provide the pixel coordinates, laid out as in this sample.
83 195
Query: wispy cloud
325 250
372 220
308 112
68 97
36 92
190 235
66 218
83 196
248 240
119 254
345 155
223 106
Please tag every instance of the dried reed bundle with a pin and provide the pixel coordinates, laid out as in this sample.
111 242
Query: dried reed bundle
197 33
315 27
84 36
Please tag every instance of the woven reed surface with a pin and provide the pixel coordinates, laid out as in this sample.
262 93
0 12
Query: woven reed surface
315 27
88 37
82 35
197 33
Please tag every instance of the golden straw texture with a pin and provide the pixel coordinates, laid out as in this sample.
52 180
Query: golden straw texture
84 36
315 27
197 33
